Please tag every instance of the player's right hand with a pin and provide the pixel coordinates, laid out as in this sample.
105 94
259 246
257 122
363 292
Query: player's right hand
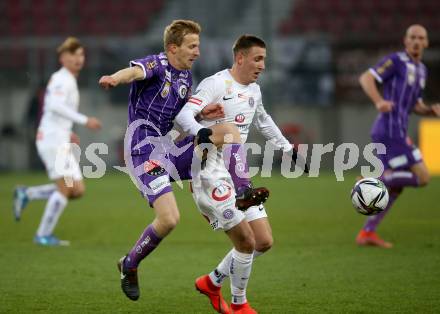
384 105
107 82
93 123
213 112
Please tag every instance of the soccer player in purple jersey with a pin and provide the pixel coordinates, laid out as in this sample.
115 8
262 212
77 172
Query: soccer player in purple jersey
403 77
160 86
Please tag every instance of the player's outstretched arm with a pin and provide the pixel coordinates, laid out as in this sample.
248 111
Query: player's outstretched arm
368 84
123 76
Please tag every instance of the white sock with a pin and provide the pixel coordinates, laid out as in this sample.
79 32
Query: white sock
40 192
54 208
219 275
240 271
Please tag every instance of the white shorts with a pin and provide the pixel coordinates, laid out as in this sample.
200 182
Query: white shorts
217 204
59 160
215 199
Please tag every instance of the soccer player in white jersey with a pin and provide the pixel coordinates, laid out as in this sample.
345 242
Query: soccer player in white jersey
60 111
235 89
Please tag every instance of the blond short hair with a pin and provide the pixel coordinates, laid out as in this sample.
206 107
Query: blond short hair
71 44
174 33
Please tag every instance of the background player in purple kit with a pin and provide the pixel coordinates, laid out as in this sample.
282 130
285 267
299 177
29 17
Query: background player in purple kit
160 86
403 76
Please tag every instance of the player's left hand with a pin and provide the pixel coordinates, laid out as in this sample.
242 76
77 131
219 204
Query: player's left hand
213 112
74 138
436 109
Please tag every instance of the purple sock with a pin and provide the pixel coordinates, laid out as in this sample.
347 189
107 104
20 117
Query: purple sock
373 221
148 241
234 156
399 179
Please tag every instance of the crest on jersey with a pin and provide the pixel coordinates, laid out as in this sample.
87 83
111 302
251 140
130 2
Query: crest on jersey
251 101
166 89
228 214
222 191
182 91
411 73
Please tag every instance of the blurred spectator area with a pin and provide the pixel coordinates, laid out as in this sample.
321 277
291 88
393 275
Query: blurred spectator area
368 19
81 17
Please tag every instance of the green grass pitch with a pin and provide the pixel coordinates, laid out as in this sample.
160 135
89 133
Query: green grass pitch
314 266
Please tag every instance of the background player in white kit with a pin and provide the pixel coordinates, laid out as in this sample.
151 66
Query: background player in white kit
235 89
60 111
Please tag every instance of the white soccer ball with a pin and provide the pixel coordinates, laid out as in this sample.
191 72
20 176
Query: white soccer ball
369 196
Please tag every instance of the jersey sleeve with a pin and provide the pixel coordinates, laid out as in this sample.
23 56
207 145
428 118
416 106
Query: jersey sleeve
206 93
149 65
57 98
267 127
385 68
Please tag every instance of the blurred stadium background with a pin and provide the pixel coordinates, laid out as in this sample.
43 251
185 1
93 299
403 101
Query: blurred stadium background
317 49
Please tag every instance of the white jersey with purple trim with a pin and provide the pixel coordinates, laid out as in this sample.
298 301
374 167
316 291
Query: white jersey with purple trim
242 104
243 107
60 111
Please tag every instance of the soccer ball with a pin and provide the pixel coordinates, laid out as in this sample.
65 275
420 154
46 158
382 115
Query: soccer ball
369 196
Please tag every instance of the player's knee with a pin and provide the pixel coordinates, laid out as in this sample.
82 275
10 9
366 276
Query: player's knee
264 245
424 179
169 222
77 192
247 243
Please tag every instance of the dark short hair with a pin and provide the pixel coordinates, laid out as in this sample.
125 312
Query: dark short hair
245 42
71 44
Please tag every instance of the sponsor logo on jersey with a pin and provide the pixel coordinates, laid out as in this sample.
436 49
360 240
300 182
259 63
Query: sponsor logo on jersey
159 184
243 127
168 75
227 98
384 66
151 65
182 91
222 191
240 118
411 73
228 84
195 101
228 214
166 90
153 168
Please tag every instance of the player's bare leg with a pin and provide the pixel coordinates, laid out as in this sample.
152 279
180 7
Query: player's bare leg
422 173
167 217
